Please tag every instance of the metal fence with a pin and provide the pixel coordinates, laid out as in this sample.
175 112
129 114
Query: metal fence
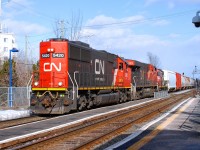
160 94
20 97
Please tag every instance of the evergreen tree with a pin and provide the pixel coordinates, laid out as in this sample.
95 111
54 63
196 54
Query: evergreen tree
5 74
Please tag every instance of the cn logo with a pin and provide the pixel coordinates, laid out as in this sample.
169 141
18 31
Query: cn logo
49 67
99 66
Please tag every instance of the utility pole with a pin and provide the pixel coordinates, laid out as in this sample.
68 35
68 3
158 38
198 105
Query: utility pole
0 30
196 71
0 17
26 54
0 7
88 38
61 27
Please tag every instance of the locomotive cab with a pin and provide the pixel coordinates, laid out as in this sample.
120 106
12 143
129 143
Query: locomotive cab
50 83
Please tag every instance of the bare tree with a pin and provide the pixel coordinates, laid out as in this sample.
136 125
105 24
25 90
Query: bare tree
56 29
23 69
60 28
69 29
75 26
153 59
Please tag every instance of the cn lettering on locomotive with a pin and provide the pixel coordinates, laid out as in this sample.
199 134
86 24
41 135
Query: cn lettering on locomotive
99 66
48 67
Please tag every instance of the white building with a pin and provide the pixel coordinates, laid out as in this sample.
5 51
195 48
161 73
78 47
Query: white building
7 42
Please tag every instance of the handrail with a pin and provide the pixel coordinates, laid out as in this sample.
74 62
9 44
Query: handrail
76 82
72 83
27 87
29 80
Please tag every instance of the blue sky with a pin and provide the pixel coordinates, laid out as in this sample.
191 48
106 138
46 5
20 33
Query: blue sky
128 28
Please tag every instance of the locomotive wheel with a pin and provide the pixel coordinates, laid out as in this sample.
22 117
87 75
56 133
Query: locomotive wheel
82 103
138 96
123 98
89 106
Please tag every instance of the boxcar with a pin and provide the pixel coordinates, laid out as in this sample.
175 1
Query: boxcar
178 81
170 79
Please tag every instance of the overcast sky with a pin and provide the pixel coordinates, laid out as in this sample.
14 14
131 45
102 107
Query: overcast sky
129 28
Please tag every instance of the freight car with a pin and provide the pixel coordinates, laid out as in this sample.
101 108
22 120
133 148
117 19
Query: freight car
175 81
178 81
170 80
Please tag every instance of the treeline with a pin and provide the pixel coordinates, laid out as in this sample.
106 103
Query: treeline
21 73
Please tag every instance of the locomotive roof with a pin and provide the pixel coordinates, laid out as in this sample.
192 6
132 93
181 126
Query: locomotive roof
138 63
79 43
123 59
58 39
82 45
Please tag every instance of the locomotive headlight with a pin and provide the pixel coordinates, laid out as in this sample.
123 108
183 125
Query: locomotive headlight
50 50
36 83
60 83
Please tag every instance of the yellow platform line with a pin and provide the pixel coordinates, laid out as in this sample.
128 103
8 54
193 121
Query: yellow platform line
158 129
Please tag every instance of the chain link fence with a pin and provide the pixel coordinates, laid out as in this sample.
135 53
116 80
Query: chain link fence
161 94
20 97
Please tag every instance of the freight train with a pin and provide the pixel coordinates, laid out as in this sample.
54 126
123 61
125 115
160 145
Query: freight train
74 76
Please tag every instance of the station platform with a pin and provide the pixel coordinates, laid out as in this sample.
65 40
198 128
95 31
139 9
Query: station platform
179 129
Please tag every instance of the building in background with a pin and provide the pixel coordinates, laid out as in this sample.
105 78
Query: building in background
7 42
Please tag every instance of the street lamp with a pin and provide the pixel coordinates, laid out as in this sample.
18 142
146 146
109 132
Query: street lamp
10 78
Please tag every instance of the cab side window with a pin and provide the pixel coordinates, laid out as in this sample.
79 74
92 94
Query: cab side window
121 66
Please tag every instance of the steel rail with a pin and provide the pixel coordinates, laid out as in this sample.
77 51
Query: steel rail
104 119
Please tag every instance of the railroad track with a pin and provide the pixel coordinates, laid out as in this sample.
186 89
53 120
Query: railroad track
20 121
90 133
